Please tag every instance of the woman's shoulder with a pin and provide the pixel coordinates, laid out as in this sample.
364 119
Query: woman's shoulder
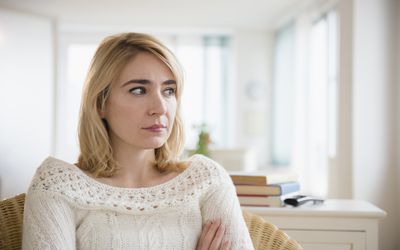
53 174
203 165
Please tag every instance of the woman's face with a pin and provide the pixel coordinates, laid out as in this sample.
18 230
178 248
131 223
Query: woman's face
142 104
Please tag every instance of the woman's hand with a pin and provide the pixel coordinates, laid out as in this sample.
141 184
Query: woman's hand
211 237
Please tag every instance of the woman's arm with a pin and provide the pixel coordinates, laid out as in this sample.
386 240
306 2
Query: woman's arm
221 202
48 223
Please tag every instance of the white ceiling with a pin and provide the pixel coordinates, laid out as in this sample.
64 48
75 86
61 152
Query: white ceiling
248 14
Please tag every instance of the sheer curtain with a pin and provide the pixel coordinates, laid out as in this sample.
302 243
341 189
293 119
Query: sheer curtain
304 112
206 61
282 96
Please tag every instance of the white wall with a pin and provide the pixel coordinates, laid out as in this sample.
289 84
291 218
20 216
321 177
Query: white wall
253 75
340 172
26 81
374 114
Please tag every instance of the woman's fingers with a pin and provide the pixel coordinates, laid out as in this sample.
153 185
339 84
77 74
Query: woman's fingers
201 244
208 238
216 243
211 236
226 245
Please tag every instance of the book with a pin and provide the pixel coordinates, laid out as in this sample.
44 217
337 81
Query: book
271 190
262 178
264 201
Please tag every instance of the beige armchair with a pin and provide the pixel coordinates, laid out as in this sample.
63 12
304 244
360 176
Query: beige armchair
264 235
11 215
267 236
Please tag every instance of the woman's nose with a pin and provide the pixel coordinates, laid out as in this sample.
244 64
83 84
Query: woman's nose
158 105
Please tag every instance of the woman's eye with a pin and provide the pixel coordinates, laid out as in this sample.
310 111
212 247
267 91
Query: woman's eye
138 91
170 91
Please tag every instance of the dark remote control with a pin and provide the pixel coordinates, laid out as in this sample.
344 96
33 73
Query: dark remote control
299 200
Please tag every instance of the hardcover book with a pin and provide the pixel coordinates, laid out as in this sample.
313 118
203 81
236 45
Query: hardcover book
262 178
271 190
264 201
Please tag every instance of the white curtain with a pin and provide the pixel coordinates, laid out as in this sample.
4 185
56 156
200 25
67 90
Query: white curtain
304 115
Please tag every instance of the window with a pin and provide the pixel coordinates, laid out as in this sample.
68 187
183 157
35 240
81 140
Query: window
282 97
305 99
206 62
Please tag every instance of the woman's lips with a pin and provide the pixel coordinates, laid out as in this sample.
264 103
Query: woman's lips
155 128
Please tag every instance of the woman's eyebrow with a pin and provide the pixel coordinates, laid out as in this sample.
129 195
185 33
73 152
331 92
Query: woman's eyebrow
145 81
169 82
139 81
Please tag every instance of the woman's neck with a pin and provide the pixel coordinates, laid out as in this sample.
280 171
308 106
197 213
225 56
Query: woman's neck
136 167
136 170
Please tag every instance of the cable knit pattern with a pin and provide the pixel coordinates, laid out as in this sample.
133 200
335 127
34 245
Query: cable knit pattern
67 209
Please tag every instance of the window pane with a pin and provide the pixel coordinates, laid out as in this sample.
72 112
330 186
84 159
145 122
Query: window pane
304 104
318 108
282 97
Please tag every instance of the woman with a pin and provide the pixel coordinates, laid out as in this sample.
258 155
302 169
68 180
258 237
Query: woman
128 189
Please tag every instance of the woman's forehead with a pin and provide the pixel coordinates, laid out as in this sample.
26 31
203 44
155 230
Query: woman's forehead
146 66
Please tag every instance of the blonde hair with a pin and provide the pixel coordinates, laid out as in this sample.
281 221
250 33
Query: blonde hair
114 52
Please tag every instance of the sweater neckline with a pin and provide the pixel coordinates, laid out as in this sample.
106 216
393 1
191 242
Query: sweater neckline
97 183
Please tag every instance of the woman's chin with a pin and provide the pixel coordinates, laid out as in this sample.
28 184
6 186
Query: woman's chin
154 144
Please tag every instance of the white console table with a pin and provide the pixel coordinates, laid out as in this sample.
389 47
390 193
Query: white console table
333 225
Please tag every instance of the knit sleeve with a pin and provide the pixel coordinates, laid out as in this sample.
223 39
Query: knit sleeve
48 223
221 202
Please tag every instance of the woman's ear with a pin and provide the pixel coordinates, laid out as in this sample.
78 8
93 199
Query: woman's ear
101 103
102 113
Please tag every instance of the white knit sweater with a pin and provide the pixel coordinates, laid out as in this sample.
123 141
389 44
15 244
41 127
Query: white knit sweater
67 209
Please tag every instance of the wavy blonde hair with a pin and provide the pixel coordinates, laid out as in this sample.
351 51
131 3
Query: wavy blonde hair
114 52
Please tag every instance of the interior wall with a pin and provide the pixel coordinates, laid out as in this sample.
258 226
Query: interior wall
374 114
340 172
26 81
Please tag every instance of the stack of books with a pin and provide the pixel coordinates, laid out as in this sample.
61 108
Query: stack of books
262 189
